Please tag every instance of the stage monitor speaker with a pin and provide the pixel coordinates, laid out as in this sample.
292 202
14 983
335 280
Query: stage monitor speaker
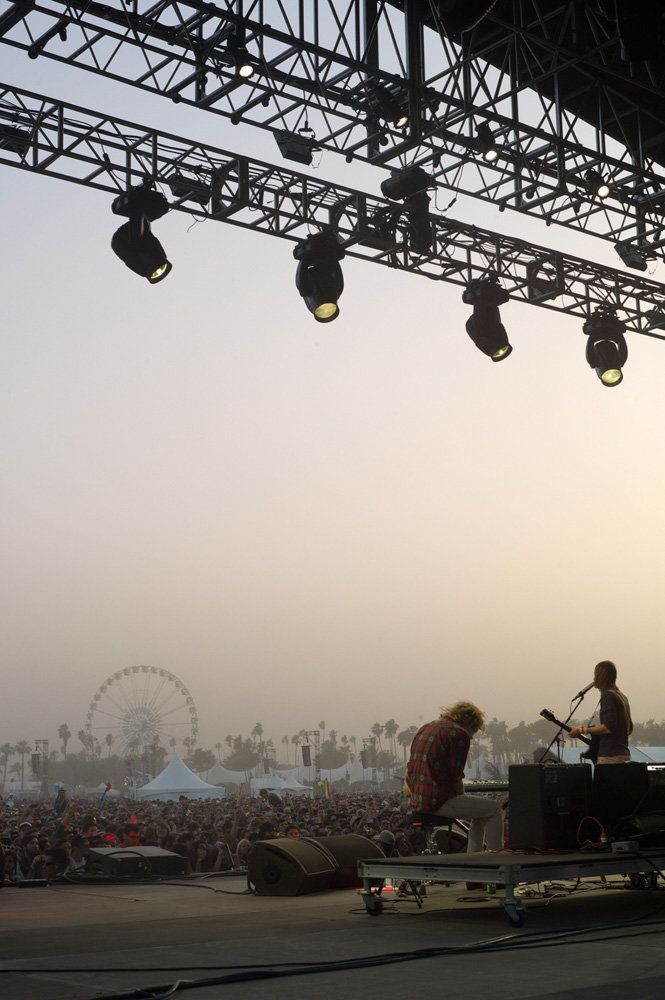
546 804
135 862
295 867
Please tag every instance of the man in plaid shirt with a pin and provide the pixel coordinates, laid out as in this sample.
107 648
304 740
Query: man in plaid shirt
435 775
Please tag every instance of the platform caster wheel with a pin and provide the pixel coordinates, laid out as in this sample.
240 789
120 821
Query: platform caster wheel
374 906
516 915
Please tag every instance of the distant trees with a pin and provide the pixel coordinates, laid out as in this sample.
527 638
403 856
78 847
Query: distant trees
22 748
64 735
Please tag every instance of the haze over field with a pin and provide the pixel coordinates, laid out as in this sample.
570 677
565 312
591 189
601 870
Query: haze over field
352 522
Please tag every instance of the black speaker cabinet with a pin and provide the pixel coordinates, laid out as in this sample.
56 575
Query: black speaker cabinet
135 862
618 790
287 867
546 804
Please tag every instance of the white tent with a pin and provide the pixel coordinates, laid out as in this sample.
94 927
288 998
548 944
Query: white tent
175 780
273 782
220 775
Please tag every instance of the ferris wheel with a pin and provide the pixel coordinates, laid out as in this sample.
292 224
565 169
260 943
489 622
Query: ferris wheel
139 706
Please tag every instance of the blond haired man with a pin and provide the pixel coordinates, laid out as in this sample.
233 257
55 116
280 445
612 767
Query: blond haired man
435 775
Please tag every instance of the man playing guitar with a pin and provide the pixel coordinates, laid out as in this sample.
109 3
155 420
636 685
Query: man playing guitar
615 725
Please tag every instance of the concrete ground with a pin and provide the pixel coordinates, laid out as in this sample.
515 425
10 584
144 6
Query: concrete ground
103 928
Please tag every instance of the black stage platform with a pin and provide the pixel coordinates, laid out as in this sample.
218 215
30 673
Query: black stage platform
506 869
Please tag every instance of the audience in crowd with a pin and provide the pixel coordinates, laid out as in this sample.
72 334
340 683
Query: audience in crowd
44 840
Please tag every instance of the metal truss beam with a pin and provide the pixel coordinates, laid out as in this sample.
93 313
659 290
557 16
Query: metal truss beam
46 136
556 106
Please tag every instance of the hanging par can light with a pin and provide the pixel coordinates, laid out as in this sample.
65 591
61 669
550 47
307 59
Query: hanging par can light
319 277
135 243
597 183
387 105
485 143
242 61
410 186
484 327
606 348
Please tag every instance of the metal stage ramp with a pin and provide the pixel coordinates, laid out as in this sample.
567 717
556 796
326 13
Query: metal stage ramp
508 870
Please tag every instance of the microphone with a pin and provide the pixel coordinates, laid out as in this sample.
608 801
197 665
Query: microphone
580 694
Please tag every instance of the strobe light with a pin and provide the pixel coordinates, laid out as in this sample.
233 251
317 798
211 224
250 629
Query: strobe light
606 348
319 277
134 243
485 327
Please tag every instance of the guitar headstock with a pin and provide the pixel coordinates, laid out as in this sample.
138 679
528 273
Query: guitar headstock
547 715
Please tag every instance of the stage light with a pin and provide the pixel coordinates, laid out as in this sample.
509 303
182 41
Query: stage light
141 252
597 183
410 186
484 327
632 255
606 348
485 143
655 319
134 243
15 140
319 277
297 146
385 104
242 61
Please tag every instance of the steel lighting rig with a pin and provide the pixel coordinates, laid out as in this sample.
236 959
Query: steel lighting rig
392 82
47 136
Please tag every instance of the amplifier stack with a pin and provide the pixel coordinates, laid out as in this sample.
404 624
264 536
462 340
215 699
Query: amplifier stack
547 804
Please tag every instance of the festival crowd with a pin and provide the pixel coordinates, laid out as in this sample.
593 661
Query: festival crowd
51 839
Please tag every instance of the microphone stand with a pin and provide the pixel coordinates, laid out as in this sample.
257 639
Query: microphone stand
558 736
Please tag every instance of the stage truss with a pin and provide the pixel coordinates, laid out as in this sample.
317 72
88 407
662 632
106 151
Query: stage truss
547 79
45 136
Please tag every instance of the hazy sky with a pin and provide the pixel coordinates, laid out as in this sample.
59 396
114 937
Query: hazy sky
350 522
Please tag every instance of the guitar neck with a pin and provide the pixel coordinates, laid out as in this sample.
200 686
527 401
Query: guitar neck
562 725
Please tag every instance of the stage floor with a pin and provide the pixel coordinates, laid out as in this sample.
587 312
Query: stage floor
102 928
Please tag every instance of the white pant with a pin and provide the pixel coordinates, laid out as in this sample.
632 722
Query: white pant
486 817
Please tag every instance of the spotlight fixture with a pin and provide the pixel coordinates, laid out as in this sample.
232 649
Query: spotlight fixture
606 348
15 140
297 146
632 255
242 61
597 183
134 243
485 143
187 188
485 327
385 104
319 277
410 186
655 319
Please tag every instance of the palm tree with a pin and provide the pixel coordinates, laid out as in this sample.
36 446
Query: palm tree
172 743
109 739
218 748
322 727
390 729
64 735
257 732
377 730
332 737
188 744
229 741
405 738
23 749
6 751
285 742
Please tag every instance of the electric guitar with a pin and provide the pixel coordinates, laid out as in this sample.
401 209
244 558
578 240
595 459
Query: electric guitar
592 743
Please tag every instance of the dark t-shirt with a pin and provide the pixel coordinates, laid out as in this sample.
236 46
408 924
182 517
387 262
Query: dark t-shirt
616 717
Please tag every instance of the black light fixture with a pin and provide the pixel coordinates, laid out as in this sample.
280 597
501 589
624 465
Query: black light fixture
297 146
319 277
15 140
632 255
639 24
655 319
242 61
386 104
597 183
485 143
606 348
410 186
484 327
134 243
